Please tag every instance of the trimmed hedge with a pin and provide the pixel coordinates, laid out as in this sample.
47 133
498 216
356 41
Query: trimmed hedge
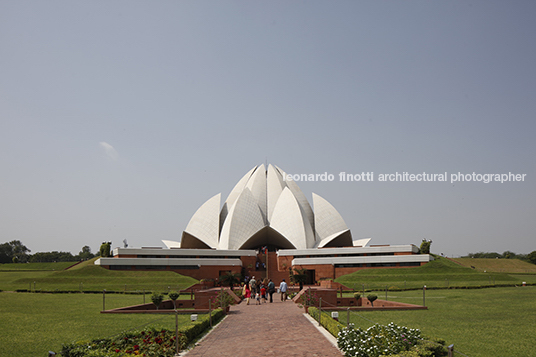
153 342
334 327
425 348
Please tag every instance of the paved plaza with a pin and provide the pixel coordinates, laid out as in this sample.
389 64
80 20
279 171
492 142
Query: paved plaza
271 329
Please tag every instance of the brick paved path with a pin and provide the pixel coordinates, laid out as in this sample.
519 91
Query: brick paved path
277 329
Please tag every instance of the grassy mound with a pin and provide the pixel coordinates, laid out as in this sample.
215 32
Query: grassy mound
89 277
36 266
441 272
511 266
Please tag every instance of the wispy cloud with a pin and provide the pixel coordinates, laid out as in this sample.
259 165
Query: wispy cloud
109 150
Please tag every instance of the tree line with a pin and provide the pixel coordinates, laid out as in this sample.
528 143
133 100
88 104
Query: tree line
16 252
531 257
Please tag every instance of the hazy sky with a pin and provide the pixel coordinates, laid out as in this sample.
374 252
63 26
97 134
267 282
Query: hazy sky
118 119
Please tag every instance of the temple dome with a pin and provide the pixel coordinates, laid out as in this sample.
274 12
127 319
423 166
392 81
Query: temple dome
265 208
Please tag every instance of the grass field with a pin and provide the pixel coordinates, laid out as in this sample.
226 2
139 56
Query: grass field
438 273
498 265
36 266
87 276
479 322
34 324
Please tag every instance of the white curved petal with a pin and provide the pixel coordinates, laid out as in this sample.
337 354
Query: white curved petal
205 223
171 244
244 220
327 220
300 197
361 242
326 240
257 185
290 220
275 185
233 196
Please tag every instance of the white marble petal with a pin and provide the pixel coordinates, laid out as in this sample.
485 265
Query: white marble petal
275 186
244 220
290 220
302 200
327 220
233 196
257 185
205 223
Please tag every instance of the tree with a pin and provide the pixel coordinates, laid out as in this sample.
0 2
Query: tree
425 246
372 298
230 279
42 257
532 257
174 296
106 249
157 299
13 249
298 276
85 253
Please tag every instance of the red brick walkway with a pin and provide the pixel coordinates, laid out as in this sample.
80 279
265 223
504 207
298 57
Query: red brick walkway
277 329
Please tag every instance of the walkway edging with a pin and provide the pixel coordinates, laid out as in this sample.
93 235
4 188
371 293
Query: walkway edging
323 331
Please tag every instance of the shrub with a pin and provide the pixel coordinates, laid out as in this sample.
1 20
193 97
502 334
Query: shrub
150 342
357 296
372 298
333 326
174 296
157 299
377 340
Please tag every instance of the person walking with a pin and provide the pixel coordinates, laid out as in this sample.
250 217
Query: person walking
247 293
253 285
283 289
271 289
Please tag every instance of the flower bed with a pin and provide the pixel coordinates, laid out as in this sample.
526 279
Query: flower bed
150 342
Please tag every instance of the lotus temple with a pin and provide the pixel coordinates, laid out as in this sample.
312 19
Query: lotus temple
265 227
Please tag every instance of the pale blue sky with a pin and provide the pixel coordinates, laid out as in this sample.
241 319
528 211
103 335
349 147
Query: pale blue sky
118 119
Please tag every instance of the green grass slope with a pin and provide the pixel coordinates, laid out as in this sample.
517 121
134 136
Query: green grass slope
36 266
498 265
87 276
438 273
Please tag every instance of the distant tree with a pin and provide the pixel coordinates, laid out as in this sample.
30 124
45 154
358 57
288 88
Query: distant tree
508 255
49 257
425 246
532 257
15 248
106 249
6 253
85 253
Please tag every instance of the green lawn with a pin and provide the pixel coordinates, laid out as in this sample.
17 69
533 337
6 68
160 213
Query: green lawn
33 324
91 277
479 322
438 273
37 266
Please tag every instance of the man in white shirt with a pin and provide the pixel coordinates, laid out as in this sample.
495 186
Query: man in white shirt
253 286
283 289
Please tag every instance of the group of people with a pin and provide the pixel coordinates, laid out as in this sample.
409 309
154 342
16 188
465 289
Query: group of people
259 290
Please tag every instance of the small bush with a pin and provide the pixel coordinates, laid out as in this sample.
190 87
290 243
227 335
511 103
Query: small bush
372 298
157 299
377 340
333 326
